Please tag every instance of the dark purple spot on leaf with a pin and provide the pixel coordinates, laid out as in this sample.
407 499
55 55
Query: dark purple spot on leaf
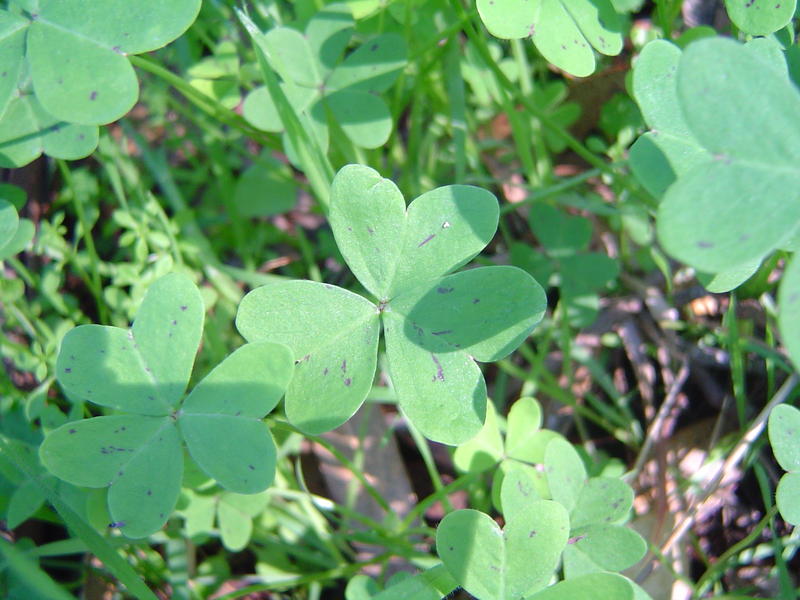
443 290
251 467
348 381
702 244
439 371
443 332
344 366
238 412
117 49
73 431
174 321
116 524
370 230
426 240
67 370
149 492
373 47
93 95
532 533
475 300
325 371
184 307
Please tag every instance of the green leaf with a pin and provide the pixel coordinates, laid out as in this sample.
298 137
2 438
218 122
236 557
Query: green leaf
760 17
495 565
235 515
787 497
76 50
589 587
25 501
754 176
566 475
265 189
432 584
137 457
389 249
363 117
144 370
524 422
730 279
610 547
9 221
333 335
602 500
784 436
669 150
559 233
484 450
789 304
563 31
373 67
328 33
221 419
12 49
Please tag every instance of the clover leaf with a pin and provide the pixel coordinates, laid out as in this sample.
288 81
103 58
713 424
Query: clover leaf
65 71
519 560
436 325
784 436
735 154
143 372
564 31
315 80
760 17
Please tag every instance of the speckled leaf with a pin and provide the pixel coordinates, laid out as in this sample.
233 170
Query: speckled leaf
221 419
784 436
509 19
789 313
485 312
497 565
746 201
536 476
760 17
372 67
144 370
443 394
602 500
588 587
669 149
131 454
483 451
566 474
333 335
76 50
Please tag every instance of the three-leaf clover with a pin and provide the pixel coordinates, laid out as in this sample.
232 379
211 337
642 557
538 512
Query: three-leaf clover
731 156
143 372
65 69
564 31
436 325
315 81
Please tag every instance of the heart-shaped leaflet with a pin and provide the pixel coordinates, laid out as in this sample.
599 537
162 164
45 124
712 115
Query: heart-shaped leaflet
143 372
436 324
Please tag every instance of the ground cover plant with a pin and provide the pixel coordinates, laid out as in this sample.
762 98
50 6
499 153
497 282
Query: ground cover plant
378 300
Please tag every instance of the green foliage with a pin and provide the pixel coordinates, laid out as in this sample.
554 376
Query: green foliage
144 373
760 17
316 80
566 32
436 325
67 70
15 233
784 435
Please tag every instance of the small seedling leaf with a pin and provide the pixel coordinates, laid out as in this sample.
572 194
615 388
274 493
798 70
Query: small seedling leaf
9 221
524 421
787 497
561 234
